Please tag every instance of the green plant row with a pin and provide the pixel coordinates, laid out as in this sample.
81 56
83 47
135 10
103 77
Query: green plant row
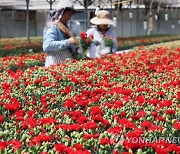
18 46
131 42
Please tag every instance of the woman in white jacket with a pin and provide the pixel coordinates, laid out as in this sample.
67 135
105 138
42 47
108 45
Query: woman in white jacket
101 29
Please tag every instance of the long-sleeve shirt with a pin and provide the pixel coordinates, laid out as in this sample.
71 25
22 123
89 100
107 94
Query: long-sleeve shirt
97 49
56 45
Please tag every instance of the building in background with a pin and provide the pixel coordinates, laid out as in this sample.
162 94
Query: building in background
129 18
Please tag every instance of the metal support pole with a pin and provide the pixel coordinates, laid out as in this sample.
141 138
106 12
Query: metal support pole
122 27
86 13
131 16
50 3
5 21
111 9
27 21
131 27
158 24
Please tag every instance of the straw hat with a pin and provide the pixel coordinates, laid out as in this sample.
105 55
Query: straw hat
102 18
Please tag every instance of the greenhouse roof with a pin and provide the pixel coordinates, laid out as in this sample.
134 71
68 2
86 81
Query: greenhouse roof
43 4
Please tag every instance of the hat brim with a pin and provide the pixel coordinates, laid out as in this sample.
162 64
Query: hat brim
97 21
74 10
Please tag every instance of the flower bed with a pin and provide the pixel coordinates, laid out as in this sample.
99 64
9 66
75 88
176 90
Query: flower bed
22 56
125 103
130 42
22 62
18 46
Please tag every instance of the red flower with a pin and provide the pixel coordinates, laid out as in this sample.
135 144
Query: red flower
105 141
88 40
178 95
85 41
177 125
6 85
170 112
60 147
20 113
13 106
78 146
136 134
123 121
67 89
47 84
117 104
89 136
82 102
3 145
29 122
115 152
146 124
154 114
95 110
82 119
90 125
164 103
37 81
67 113
69 103
162 150
153 101
115 130
76 114
160 118
7 47
16 144
74 127
123 114
155 128
49 120
105 122
91 36
161 93
1 118
134 143
31 113
135 116
97 118
140 99
62 126
83 35
142 113
40 138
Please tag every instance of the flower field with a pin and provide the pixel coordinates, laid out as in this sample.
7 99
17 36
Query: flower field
22 62
119 104
130 42
18 46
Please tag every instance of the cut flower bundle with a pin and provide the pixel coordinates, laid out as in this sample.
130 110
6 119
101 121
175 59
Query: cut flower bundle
85 41
108 41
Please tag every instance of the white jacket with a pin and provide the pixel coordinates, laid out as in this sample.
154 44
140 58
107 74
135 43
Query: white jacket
97 49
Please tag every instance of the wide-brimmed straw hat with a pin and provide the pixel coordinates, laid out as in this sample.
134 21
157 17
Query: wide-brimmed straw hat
102 18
